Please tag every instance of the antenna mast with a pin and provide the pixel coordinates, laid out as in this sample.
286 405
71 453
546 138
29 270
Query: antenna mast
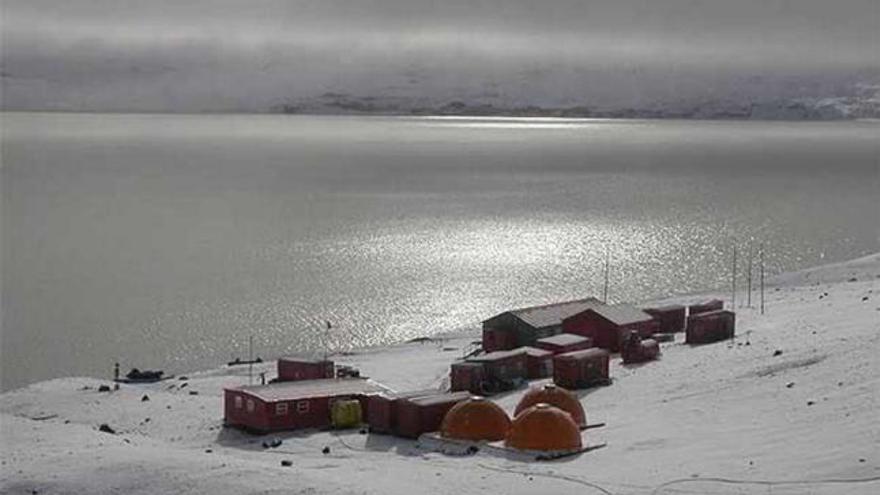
607 262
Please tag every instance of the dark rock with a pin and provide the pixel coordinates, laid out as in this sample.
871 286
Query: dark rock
473 449
106 429
853 279
183 385
810 402
104 388
183 378
193 392
777 352
145 398
789 385
865 298
363 431
287 463
208 451
861 460
325 450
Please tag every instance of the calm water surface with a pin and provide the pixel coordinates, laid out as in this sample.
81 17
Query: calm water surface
165 241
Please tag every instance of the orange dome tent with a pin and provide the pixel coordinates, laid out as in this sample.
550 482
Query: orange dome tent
556 397
544 427
476 419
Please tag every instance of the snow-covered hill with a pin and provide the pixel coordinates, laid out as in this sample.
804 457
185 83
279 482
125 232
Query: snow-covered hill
789 407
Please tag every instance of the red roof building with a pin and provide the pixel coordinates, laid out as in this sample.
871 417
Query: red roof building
291 405
581 369
607 326
521 327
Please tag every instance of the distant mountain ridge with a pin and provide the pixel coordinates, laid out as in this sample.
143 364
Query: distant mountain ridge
863 104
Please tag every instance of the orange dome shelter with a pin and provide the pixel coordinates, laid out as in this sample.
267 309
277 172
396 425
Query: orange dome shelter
476 419
556 397
544 427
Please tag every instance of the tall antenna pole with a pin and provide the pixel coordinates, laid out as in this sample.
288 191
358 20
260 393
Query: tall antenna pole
251 360
327 339
749 279
607 262
762 278
733 280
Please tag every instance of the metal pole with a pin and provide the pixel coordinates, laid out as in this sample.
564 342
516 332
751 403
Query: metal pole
251 360
733 281
607 260
749 297
762 278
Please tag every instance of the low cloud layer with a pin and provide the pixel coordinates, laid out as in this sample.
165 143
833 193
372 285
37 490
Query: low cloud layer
200 55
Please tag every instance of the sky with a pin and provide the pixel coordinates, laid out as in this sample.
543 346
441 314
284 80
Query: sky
221 55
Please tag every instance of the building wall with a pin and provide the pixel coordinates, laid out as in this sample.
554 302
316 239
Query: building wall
298 370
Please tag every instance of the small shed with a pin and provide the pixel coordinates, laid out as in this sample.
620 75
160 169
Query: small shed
539 363
581 369
705 306
382 409
423 414
299 368
713 326
607 326
292 405
564 342
671 319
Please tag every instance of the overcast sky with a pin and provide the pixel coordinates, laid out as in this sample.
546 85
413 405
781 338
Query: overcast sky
194 55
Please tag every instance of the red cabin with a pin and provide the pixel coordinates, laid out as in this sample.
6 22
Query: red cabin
423 414
291 405
581 369
608 325
382 409
705 306
703 328
467 376
636 350
564 342
539 363
671 319
293 369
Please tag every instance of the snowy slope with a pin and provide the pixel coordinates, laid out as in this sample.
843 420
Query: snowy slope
720 418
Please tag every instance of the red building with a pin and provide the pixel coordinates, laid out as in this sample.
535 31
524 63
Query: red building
539 363
291 405
423 414
705 306
294 368
521 327
607 326
671 319
564 342
502 370
703 328
581 369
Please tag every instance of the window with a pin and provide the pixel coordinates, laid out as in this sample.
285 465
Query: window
281 409
302 406
250 405
238 402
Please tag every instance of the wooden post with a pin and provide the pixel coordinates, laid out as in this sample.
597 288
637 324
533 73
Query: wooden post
749 279
251 360
607 261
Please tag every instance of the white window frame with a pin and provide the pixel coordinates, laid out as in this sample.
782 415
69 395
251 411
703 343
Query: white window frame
251 406
302 406
281 409
239 403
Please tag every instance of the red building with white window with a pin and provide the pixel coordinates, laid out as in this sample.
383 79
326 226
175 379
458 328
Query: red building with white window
292 405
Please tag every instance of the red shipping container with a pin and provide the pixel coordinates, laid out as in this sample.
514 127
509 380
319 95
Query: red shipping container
423 414
671 319
539 363
581 369
467 376
382 409
293 369
704 328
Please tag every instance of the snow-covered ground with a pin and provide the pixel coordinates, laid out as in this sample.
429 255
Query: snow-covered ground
722 418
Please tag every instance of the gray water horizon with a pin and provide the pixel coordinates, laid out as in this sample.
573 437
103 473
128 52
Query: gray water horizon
165 241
